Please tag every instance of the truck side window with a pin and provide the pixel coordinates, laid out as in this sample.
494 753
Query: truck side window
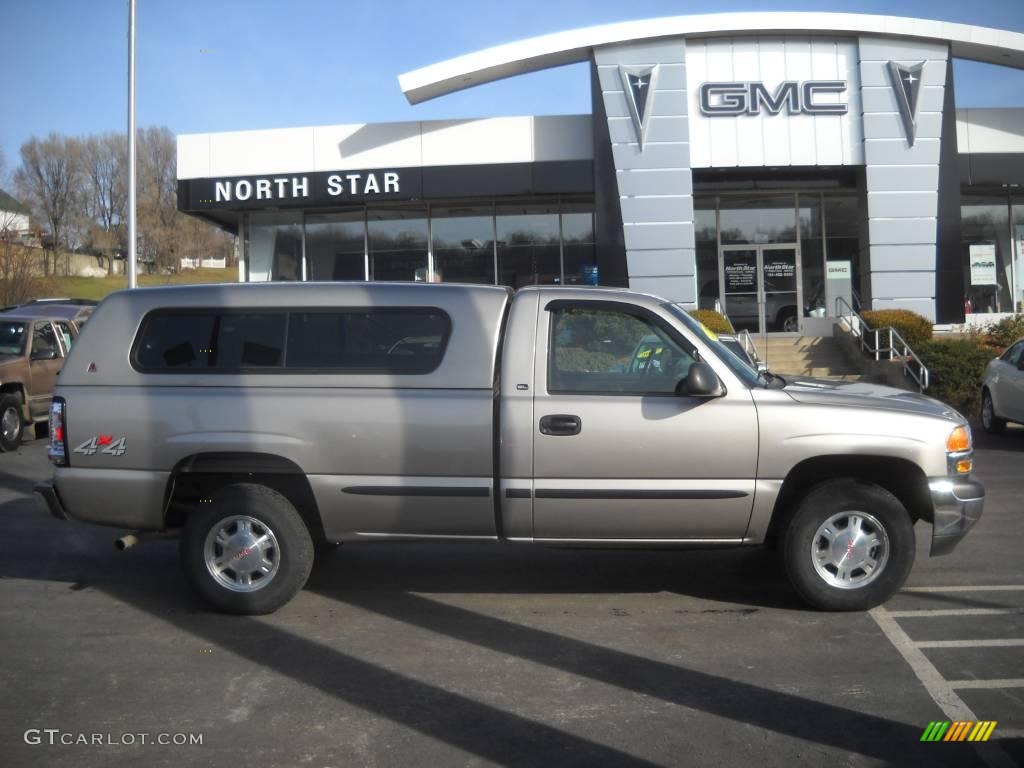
244 340
605 350
65 334
175 340
392 340
44 342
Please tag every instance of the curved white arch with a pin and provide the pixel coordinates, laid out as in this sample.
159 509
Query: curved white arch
994 46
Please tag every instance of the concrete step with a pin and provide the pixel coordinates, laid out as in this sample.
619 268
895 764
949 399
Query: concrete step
816 372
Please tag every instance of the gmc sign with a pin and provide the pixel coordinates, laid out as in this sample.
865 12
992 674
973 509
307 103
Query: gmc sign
796 98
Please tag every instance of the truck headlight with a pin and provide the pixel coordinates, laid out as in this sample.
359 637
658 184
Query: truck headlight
959 440
959 450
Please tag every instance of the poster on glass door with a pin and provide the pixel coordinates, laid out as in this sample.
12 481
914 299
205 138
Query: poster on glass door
983 264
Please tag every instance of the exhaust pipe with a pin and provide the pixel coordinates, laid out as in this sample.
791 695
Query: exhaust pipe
126 542
130 540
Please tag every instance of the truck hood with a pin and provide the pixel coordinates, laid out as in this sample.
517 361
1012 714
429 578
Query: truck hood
861 394
6 360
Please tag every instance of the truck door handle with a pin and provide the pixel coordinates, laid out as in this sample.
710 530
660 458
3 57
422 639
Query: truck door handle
560 424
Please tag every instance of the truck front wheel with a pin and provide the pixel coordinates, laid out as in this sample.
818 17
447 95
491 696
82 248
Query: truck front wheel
246 549
849 546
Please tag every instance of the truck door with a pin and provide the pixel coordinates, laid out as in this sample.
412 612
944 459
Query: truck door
45 360
618 455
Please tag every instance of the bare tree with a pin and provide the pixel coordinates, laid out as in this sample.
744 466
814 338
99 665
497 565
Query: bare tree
18 281
159 220
47 179
104 172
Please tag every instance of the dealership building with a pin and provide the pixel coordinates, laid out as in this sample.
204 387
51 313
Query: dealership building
777 166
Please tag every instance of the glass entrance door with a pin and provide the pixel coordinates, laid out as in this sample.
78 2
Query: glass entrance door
760 287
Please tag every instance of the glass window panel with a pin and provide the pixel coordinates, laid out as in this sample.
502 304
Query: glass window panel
747 219
206 340
243 340
1018 236
335 246
275 246
12 338
175 340
986 251
811 254
705 226
463 244
395 340
65 333
580 258
528 247
398 244
613 352
44 342
843 218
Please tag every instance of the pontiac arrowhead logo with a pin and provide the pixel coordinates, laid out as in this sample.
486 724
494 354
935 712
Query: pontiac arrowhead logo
906 82
638 83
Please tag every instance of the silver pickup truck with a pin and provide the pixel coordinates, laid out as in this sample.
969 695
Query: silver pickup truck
255 420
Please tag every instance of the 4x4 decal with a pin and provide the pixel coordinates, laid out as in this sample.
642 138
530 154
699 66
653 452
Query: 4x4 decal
104 444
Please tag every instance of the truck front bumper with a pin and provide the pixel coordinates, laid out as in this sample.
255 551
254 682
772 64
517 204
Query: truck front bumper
48 491
957 504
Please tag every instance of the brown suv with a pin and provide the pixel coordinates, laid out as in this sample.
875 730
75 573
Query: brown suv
32 351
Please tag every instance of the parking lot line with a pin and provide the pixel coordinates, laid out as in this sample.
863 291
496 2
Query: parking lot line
1009 682
937 686
931 613
962 588
942 691
1006 642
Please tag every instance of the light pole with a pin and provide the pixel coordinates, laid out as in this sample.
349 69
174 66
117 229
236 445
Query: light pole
132 238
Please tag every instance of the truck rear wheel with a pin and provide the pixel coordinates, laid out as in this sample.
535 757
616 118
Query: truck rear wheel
246 550
849 547
12 425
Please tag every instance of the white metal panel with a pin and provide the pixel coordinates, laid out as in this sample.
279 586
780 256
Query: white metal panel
749 141
724 131
194 156
979 43
775 135
344 147
828 130
700 130
764 139
801 127
563 137
473 142
992 130
249 152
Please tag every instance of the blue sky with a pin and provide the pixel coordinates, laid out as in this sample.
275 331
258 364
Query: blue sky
217 65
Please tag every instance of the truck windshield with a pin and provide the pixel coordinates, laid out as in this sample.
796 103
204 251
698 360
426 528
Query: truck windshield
12 338
741 369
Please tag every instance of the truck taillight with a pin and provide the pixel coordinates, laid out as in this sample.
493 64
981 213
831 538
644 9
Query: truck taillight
58 451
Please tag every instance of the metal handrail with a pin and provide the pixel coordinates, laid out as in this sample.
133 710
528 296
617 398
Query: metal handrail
747 342
896 346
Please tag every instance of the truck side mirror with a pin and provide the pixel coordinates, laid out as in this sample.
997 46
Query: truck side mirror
701 381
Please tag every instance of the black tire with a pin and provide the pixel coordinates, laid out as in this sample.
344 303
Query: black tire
834 498
990 422
10 440
788 317
272 513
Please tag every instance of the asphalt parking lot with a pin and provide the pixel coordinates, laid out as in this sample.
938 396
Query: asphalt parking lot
475 655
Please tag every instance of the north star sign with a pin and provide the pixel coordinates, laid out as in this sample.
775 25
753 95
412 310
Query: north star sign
279 188
750 98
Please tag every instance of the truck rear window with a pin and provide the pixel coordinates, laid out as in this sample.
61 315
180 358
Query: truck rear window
393 340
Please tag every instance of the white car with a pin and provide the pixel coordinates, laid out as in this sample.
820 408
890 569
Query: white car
1002 389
